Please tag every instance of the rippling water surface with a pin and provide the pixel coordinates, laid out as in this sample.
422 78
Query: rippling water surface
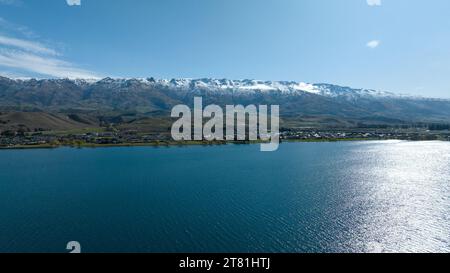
385 196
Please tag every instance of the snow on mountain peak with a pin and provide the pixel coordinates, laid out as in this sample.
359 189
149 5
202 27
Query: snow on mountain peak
221 85
307 87
249 86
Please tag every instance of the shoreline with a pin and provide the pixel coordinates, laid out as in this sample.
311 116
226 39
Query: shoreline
191 143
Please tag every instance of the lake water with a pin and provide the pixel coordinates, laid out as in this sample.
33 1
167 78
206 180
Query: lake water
379 196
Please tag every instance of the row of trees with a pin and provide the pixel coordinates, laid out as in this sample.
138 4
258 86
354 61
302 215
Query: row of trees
421 125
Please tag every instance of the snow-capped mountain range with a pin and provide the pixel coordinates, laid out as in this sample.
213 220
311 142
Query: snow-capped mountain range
144 96
247 86
225 86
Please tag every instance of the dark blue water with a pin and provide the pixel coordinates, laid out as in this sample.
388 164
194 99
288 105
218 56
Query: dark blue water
307 197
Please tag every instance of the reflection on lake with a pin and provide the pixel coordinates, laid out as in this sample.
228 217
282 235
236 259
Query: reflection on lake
378 196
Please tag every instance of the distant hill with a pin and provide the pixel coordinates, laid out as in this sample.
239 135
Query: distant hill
63 103
36 121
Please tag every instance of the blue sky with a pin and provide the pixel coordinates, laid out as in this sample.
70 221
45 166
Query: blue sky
393 45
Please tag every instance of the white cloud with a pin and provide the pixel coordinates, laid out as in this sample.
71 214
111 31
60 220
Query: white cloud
73 2
374 2
26 45
48 66
373 44
28 57
12 75
7 26
11 2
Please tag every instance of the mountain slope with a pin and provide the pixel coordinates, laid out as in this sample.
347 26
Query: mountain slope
32 121
150 97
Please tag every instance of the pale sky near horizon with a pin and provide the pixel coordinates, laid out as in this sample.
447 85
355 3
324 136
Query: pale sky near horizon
401 46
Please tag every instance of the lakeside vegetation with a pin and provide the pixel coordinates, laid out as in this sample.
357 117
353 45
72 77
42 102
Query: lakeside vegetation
165 143
156 132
